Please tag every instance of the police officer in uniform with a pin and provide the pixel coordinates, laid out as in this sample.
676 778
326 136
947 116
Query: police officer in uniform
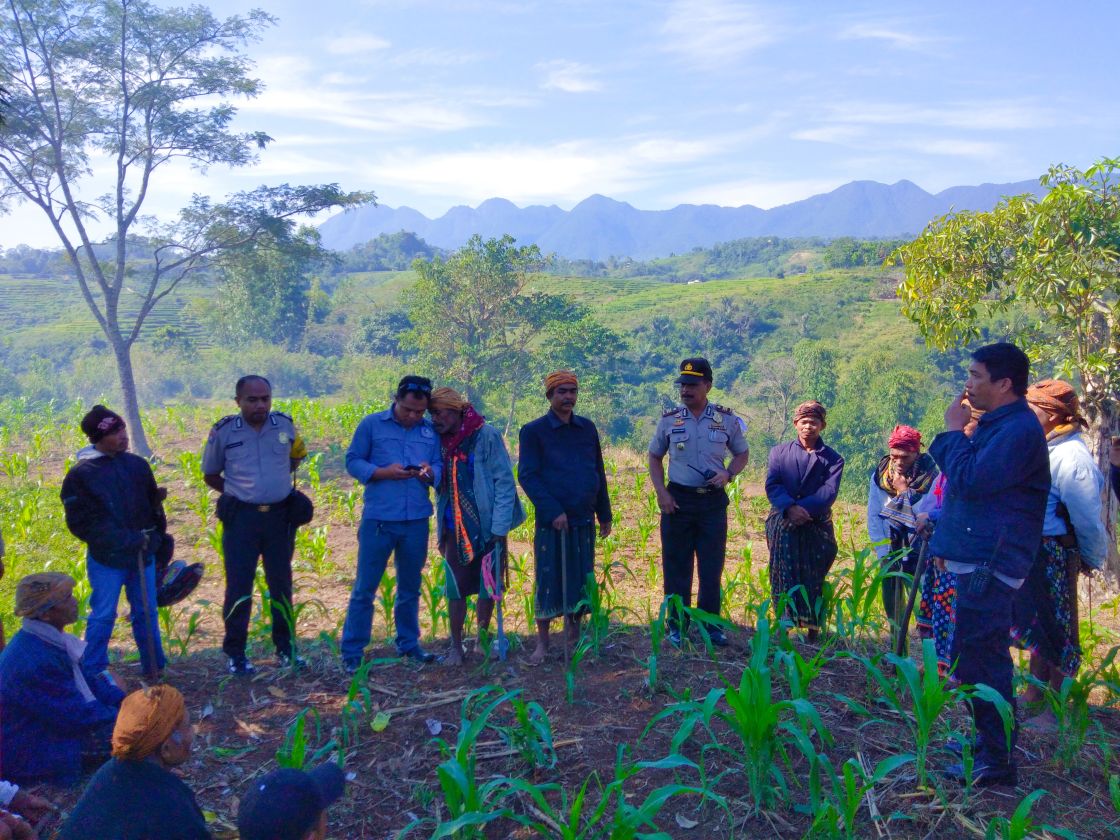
249 459
697 435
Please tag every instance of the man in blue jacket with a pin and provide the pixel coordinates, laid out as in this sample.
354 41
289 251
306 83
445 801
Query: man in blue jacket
989 533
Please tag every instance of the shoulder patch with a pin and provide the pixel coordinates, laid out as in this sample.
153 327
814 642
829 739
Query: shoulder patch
677 409
223 421
287 417
722 409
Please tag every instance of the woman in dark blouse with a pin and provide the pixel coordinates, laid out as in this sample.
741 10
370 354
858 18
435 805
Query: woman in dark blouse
802 480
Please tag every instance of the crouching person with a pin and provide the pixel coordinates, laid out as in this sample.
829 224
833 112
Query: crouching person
56 713
135 796
290 804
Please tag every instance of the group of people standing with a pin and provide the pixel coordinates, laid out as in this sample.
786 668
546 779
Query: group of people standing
994 524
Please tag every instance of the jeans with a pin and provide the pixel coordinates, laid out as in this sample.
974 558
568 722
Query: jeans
105 585
407 541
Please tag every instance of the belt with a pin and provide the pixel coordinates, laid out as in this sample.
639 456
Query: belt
261 508
696 491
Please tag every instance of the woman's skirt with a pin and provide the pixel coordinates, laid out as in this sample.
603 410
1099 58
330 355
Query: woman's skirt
1044 620
936 616
800 557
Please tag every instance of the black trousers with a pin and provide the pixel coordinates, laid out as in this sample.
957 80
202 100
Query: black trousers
982 650
249 534
697 531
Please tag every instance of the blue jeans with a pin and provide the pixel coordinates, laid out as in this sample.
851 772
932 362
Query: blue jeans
105 585
407 541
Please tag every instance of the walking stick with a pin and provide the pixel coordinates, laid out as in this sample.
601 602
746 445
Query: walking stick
904 624
503 642
151 624
564 593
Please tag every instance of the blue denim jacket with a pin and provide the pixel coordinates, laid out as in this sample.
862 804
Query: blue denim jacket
380 441
997 484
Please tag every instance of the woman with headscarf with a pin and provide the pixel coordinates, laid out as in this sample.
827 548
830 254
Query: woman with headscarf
56 713
135 796
802 481
1073 537
902 477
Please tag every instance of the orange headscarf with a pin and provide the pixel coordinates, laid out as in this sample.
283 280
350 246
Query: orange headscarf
145 720
447 398
558 378
1058 399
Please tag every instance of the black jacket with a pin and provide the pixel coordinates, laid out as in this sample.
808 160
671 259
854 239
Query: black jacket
109 501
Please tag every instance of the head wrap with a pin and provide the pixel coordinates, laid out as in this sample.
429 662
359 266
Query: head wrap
37 593
145 720
811 408
1058 399
447 398
99 422
905 437
558 378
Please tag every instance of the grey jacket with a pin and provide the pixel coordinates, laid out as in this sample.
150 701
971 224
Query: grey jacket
495 490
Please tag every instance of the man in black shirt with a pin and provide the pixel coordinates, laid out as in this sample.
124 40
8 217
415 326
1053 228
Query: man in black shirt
560 468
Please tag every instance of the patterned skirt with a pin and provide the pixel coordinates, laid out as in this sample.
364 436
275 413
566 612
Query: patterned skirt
800 557
548 551
937 610
1043 618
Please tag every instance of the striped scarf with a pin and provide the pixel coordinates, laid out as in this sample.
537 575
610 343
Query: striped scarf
457 449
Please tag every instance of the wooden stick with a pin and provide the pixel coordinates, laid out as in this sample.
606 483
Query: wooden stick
452 697
566 742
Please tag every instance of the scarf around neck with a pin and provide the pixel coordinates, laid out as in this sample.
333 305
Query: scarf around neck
472 422
922 475
72 645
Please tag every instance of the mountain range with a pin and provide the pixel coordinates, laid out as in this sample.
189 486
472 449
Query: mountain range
600 227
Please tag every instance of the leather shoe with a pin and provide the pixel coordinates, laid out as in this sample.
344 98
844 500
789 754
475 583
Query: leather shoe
674 637
717 638
983 774
419 654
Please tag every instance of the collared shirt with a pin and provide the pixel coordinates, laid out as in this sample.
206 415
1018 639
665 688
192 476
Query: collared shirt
997 483
807 478
380 441
560 468
256 464
697 444
1076 483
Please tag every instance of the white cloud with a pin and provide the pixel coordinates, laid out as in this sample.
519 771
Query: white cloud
568 76
355 44
838 133
950 147
433 57
711 33
1000 115
893 35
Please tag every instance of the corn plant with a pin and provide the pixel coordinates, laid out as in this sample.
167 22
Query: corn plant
291 613
432 591
1070 705
854 596
293 752
1019 825
387 595
571 670
170 621
836 811
312 545
530 734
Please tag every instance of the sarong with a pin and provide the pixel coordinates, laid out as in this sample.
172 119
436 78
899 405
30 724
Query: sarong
936 616
1042 613
550 599
800 556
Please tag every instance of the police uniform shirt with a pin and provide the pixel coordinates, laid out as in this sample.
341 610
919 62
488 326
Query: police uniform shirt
695 445
255 465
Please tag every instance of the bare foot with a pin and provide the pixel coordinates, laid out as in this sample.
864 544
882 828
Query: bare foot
454 656
538 655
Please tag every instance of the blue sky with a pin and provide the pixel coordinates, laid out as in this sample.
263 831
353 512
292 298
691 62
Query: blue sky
432 104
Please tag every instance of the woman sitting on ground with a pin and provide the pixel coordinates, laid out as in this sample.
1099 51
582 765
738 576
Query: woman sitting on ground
135 796
802 481
1073 538
56 714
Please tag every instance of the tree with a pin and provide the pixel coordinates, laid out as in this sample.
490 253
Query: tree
475 321
816 371
138 87
1055 258
264 295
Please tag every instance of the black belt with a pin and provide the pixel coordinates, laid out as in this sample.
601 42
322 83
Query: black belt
260 508
695 491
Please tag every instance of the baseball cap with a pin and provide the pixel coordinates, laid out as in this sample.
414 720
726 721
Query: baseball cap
696 369
285 804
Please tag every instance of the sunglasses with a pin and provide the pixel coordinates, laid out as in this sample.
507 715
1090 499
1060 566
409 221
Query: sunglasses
417 387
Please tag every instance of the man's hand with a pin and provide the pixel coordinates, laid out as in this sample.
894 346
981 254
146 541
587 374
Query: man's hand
900 482
560 523
797 515
939 562
666 502
924 527
1114 452
394 472
957 414
31 807
720 479
425 475
604 529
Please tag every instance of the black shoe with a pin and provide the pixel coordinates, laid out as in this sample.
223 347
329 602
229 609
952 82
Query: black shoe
419 654
241 666
717 638
673 637
955 748
351 666
983 774
287 660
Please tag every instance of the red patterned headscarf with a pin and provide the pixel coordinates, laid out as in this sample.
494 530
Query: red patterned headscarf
905 437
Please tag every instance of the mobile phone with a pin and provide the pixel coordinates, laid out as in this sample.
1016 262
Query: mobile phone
413 468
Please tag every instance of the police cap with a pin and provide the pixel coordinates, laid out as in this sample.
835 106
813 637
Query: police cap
695 370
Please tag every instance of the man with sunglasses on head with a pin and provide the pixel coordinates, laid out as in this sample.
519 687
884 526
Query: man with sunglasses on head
395 454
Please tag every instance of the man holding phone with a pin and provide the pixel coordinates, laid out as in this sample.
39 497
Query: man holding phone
395 453
988 535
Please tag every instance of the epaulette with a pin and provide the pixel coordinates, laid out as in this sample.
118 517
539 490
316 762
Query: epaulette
223 421
722 409
677 409
287 417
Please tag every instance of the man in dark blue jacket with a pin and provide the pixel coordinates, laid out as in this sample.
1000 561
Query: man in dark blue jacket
113 505
989 534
